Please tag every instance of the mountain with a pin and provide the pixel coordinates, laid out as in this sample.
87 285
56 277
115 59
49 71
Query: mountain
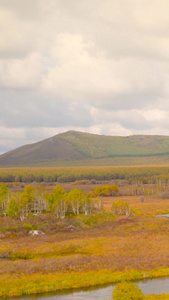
79 148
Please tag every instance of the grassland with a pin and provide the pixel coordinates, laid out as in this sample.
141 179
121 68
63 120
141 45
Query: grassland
82 251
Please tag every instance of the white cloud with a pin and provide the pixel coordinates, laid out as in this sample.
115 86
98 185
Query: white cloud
155 115
9 133
152 15
21 73
78 75
16 37
96 66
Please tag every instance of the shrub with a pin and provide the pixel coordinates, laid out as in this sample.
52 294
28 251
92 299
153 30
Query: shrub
106 190
127 291
27 226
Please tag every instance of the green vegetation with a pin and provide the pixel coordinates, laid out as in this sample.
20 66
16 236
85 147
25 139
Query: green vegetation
78 148
137 174
12 208
37 201
130 291
25 285
127 291
105 190
99 146
27 226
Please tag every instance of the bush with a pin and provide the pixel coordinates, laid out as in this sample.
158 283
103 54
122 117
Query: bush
106 190
27 226
127 291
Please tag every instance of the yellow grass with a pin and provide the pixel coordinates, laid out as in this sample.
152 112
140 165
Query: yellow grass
130 248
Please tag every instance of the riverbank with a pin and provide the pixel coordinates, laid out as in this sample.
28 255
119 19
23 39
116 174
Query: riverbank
25 285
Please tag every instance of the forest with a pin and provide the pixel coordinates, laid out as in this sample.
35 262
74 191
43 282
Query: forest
142 174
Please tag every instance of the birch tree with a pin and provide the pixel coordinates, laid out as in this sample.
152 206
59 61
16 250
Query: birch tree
12 208
39 199
87 205
60 206
58 202
29 192
75 197
121 208
23 206
5 196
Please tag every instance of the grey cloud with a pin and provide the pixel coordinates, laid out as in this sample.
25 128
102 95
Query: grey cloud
133 120
14 143
125 101
22 8
112 59
129 119
28 109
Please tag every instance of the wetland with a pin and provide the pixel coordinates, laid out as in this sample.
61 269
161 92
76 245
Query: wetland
82 250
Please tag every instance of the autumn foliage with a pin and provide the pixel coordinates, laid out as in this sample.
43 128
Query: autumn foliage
127 291
88 240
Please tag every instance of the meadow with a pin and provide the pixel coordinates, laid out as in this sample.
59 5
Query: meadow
86 250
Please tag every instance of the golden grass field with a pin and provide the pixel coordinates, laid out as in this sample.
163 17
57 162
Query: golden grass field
97 249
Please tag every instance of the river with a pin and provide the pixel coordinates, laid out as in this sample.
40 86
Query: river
148 286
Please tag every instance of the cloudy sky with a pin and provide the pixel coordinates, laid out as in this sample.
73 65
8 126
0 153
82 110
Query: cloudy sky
89 65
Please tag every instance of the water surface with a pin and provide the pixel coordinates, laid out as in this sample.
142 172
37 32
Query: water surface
164 216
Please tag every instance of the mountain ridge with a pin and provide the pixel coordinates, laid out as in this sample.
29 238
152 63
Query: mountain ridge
75 147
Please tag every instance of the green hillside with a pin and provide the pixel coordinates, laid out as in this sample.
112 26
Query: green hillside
78 148
100 146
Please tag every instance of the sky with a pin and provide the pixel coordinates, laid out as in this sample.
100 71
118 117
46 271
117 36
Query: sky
93 66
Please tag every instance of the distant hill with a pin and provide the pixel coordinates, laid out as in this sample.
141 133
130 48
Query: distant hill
79 148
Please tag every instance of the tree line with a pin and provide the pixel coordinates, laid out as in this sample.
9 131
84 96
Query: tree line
37 200
141 174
